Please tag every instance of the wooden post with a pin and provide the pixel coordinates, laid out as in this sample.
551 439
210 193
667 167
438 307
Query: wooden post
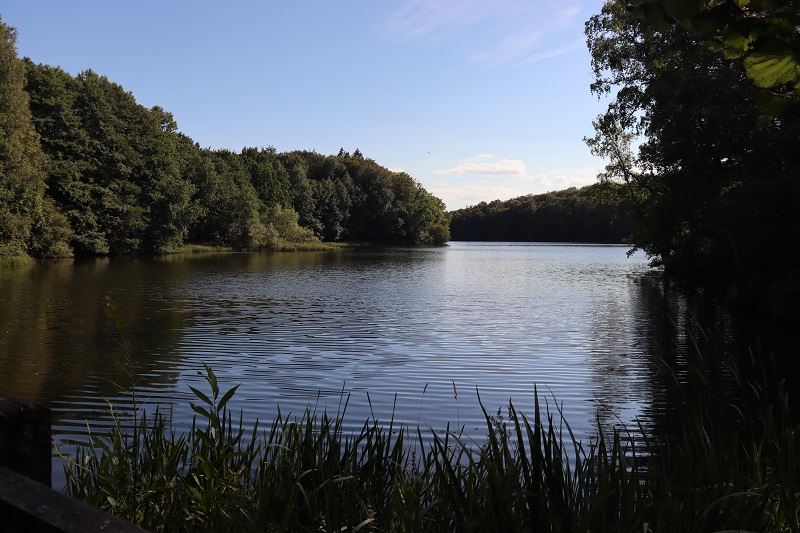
25 440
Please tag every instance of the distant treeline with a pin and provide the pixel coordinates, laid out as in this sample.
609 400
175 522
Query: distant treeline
86 170
571 215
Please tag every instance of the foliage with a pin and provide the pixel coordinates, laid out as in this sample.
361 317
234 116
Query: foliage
111 163
201 249
29 222
354 198
710 181
730 462
86 169
129 182
571 215
283 227
764 33
148 475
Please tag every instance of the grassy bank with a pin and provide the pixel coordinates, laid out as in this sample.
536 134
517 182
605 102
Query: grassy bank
307 247
16 260
201 249
282 246
730 463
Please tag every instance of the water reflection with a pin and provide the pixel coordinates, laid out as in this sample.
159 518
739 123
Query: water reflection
410 333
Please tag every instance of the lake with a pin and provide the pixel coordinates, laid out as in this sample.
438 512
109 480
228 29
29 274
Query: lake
414 333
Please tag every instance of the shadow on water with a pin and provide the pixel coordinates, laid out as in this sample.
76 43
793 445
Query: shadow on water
405 325
740 350
58 337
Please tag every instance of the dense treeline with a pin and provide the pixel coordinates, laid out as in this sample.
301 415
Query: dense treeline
85 169
571 215
29 222
708 170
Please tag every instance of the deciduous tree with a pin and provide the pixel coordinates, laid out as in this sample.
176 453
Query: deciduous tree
29 223
711 180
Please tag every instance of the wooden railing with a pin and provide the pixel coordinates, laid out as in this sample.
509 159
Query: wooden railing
27 503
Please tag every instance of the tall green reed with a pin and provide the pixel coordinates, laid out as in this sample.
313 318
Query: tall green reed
729 462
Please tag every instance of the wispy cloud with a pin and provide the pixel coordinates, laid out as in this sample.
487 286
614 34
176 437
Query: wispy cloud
515 32
433 19
532 55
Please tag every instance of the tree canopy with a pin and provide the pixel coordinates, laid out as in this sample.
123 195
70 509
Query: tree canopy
709 177
29 221
86 169
571 215
763 33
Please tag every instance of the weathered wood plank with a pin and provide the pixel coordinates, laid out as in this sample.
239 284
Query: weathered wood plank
30 507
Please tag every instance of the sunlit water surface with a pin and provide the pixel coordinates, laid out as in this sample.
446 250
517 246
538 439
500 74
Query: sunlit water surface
413 333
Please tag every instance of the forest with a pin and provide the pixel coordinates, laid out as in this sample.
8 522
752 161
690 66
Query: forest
571 215
85 170
700 138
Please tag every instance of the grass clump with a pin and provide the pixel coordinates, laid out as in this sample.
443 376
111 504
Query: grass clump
16 260
311 246
200 249
730 462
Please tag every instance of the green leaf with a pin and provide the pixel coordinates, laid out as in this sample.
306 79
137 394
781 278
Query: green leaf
735 45
212 380
770 70
785 26
207 440
208 470
772 105
202 396
732 52
228 395
202 411
684 10
653 15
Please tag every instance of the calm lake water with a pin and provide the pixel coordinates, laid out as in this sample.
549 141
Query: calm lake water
410 331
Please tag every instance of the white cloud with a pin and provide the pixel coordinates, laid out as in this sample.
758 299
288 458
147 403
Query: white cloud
474 167
538 179
564 178
508 169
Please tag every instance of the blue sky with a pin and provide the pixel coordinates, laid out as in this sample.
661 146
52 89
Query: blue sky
476 100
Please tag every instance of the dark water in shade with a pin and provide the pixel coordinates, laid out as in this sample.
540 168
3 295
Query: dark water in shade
402 331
